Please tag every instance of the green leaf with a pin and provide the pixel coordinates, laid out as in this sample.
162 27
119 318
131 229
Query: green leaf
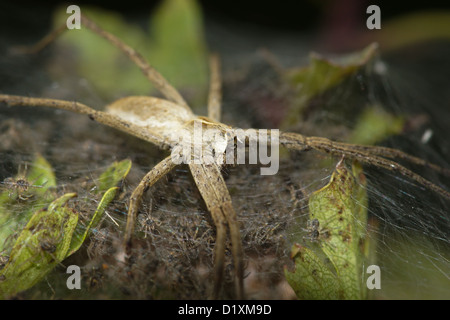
113 175
174 45
179 47
97 60
321 75
341 211
108 182
42 175
312 279
53 233
17 206
42 244
375 125
79 238
39 177
343 219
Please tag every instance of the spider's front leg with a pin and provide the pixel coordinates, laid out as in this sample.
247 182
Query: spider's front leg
152 75
368 155
213 189
157 172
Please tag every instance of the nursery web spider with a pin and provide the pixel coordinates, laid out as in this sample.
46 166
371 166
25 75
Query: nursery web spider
162 121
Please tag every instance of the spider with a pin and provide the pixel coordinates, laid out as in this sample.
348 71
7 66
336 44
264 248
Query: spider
3 261
312 227
163 121
147 223
48 246
20 186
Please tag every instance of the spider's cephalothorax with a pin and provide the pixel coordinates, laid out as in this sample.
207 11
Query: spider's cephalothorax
169 122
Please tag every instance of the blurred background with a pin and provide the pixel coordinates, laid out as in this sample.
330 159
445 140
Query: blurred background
335 25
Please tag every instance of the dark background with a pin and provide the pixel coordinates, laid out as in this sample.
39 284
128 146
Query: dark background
288 15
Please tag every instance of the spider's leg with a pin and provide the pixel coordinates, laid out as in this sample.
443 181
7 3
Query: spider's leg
160 83
398 154
98 116
212 187
41 44
158 171
212 203
221 190
394 166
299 142
215 89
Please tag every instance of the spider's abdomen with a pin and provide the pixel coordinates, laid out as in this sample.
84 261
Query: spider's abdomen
155 114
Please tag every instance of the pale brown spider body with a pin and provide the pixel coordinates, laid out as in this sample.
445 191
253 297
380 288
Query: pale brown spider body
155 115
165 122
168 122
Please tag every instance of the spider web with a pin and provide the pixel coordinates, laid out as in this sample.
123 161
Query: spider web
174 238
